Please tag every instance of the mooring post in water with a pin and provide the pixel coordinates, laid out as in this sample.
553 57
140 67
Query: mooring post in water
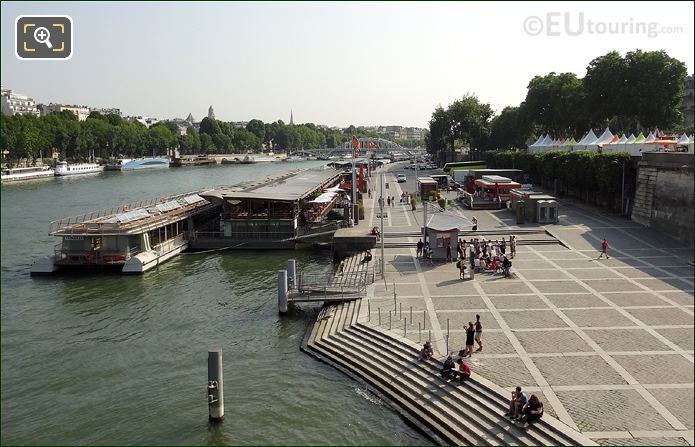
419 332
378 311
282 291
369 310
405 327
215 391
292 273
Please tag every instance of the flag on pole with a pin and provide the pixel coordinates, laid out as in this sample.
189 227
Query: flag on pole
355 146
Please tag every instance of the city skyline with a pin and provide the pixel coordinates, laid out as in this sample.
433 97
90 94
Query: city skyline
283 58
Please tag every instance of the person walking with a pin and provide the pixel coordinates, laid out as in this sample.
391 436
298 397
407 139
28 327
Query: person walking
448 252
369 193
388 200
475 224
478 333
418 252
604 247
512 245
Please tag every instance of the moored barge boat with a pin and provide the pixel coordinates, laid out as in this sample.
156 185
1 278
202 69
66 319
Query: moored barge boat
31 173
132 239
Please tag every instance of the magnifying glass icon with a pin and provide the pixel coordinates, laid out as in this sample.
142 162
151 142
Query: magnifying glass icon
42 35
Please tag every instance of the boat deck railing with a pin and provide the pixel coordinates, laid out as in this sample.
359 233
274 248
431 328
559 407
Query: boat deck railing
95 220
66 256
266 235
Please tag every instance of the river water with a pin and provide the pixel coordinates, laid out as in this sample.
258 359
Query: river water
110 359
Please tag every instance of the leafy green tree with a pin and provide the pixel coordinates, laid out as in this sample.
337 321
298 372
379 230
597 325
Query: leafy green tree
557 103
256 127
209 126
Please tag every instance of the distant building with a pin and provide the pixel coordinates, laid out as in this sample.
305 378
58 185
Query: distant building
240 124
106 110
291 118
211 113
407 133
13 103
146 120
82 112
687 104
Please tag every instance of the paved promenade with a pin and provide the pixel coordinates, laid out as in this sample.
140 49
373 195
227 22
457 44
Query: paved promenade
607 344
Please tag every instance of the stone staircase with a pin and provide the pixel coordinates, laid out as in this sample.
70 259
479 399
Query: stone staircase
467 414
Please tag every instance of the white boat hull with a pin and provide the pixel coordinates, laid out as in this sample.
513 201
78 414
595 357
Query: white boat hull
142 262
20 177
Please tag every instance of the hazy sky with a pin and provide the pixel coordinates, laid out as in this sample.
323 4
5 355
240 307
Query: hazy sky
332 63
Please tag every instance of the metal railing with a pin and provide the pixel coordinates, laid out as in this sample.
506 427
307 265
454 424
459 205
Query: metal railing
269 235
93 256
326 284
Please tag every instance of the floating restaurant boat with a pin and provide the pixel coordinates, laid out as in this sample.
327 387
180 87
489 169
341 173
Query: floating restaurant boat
31 173
132 239
273 213
198 160
63 168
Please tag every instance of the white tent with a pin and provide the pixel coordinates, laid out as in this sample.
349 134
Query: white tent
683 139
605 137
631 139
588 139
538 141
651 137
622 140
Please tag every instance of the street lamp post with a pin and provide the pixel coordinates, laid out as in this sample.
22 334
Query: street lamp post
381 211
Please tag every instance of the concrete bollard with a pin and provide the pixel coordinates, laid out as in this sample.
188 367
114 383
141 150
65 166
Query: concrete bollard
282 291
215 391
292 273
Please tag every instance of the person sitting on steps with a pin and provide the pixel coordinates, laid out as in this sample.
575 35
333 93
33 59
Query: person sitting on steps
448 368
517 403
532 411
367 257
427 352
463 371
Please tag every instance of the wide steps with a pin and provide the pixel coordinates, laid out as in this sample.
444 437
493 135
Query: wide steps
471 413
476 388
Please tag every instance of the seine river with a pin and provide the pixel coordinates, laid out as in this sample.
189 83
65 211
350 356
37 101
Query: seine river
108 359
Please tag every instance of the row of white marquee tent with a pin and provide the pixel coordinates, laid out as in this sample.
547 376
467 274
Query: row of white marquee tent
610 143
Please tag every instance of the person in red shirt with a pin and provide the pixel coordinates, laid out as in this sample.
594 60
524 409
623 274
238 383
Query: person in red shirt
604 247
